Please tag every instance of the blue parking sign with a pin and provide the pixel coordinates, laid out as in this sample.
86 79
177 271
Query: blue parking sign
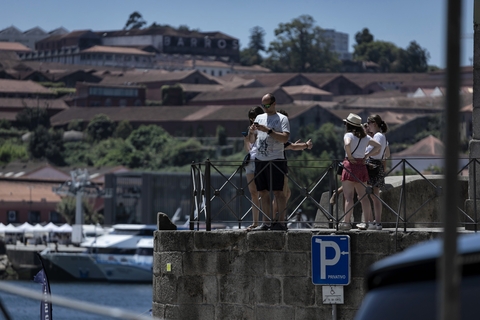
331 260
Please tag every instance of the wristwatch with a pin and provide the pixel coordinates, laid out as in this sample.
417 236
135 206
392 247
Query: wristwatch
269 131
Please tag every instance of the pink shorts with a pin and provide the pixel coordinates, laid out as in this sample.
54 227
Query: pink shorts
355 172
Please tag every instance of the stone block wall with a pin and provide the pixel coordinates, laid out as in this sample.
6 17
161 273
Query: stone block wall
232 274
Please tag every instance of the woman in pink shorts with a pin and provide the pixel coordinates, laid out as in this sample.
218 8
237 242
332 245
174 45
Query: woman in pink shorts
355 174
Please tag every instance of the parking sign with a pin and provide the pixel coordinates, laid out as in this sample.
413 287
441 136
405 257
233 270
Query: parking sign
331 260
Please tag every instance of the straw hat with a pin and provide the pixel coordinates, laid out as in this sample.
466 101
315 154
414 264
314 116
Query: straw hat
354 120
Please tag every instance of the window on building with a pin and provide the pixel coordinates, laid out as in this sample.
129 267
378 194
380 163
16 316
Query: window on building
55 217
220 73
34 216
12 216
123 102
108 102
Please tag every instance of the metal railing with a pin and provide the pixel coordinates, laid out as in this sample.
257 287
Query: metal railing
219 193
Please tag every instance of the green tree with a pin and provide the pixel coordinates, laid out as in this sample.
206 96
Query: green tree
31 118
54 151
381 52
111 152
413 59
135 21
251 55
363 36
75 124
38 143
221 136
301 47
11 150
5 124
101 127
67 208
151 136
123 130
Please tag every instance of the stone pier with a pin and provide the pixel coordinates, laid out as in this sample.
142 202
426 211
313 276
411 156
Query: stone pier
234 274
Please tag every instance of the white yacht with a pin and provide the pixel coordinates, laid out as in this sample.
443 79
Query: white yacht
137 269
111 256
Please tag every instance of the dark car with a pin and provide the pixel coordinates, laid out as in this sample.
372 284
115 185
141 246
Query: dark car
404 285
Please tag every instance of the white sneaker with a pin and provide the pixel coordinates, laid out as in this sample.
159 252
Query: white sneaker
344 226
372 226
379 226
362 226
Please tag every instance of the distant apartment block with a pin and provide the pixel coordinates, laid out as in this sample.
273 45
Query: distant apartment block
339 43
28 38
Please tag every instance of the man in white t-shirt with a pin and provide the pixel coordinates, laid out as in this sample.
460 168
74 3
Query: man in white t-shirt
270 132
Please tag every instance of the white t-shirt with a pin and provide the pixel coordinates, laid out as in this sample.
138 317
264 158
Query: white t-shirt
362 146
269 148
380 138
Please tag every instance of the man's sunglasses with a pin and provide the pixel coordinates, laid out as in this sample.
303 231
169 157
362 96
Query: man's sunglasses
266 105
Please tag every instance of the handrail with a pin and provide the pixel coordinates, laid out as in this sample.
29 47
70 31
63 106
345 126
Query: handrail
225 200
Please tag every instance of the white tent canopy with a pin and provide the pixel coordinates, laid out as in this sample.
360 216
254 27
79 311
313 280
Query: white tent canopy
65 228
50 227
10 228
25 227
38 228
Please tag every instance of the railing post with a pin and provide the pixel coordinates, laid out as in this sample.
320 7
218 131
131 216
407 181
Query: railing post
208 207
404 196
475 195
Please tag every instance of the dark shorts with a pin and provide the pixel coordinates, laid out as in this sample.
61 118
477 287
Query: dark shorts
262 174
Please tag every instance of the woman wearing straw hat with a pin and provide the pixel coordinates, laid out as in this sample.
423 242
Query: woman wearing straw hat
355 174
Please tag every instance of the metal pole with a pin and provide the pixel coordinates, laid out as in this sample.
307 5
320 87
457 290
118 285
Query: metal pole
334 312
448 264
208 207
78 208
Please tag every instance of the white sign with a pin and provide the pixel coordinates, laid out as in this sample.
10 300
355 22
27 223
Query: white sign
332 295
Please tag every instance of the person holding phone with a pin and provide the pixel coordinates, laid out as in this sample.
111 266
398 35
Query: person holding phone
250 167
270 131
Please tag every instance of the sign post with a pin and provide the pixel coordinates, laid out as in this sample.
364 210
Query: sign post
331 267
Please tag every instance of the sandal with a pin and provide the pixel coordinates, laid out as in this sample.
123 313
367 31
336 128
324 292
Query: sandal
251 227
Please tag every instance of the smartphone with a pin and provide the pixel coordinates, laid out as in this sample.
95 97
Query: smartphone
244 133
255 123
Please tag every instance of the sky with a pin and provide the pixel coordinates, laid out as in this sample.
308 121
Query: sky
399 22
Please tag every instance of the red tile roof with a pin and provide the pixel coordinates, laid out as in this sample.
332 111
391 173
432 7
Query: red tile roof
18 86
159 114
427 147
305 89
14 46
117 50
21 103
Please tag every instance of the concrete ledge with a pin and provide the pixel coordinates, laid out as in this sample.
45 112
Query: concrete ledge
233 274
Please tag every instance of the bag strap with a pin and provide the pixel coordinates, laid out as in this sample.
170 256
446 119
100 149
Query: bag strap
357 146
384 150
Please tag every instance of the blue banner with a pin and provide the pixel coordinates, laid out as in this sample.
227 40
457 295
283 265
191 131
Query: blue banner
45 306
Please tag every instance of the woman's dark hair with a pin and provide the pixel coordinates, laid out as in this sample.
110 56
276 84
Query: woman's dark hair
254 112
380 123
358 132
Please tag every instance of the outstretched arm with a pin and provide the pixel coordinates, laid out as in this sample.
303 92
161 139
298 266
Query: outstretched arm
298 145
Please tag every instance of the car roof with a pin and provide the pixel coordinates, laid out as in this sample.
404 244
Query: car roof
418 262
